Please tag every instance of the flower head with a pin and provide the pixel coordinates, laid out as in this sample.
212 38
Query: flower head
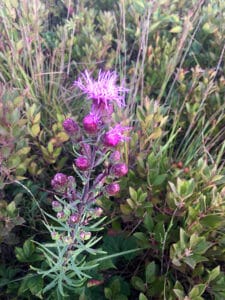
103 91
116 135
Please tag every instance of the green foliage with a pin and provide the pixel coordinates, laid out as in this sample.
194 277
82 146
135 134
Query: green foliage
117 289
15 149
9 218
28 253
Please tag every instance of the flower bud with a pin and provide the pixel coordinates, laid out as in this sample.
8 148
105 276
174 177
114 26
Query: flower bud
84 236
56 206
91 124
61 216
74 218
180 165
98 212
67 212
112 188
82 163
59 180
119 170
94 282
68 240
85 222
55 236
70 126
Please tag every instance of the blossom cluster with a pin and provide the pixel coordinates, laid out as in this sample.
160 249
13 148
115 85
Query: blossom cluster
96 144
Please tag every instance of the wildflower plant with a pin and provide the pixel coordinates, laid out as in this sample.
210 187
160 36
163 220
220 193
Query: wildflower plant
98 165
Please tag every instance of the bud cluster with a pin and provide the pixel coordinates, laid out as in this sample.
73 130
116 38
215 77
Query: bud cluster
97 162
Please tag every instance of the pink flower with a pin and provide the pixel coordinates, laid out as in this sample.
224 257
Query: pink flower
116 135
119 170
82 163
103 91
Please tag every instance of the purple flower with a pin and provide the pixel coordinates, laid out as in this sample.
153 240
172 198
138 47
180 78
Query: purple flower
59 180
82 163
103 91
112 188
116 135
91 123
119 170
70 126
